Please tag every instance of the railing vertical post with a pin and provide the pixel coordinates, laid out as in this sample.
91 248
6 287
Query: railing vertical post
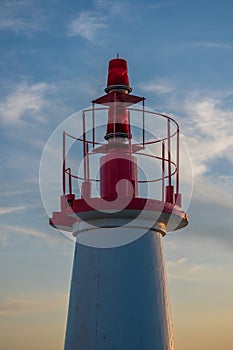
177 160
169 151
130 139
143 122
114 115
163 171
70 182
93 125
88 163
84 147
64 163
130 145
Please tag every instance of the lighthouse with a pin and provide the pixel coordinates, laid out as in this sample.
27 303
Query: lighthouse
128 200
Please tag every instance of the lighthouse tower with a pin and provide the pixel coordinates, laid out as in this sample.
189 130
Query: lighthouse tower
118 296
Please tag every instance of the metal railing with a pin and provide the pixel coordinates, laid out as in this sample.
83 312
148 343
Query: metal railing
165 153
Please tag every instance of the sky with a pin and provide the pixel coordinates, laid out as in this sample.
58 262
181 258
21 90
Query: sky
53 62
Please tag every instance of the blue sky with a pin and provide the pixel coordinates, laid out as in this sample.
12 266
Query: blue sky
53 62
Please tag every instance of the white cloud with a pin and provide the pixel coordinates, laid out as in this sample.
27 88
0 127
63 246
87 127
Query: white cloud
206 137
114 7
213 45
126 9
87 25
209 190
162 87
26 100
183 269
208 132
199 45
10 306
21 16
208 129
14 306
9 210
227 182
25 231
158 5
9 231
10 23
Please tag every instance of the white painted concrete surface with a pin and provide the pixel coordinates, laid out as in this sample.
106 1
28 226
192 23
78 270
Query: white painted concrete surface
119 298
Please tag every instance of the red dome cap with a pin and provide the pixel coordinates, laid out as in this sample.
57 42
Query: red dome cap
118 78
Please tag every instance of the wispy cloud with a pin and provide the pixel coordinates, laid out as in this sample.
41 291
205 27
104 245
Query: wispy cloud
12 306
210 190
159 87
208 131
21 16
25 101
87 25
183 269
29 306
25 231
9 231
199 45
10 210
214 45
126 9
15 192
115 8
159 5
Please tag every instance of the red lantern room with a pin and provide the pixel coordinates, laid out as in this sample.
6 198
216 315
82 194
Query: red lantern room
120 152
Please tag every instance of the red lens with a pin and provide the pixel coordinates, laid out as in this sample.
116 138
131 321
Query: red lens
118 122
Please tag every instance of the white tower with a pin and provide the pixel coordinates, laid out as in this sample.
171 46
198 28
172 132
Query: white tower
118 296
